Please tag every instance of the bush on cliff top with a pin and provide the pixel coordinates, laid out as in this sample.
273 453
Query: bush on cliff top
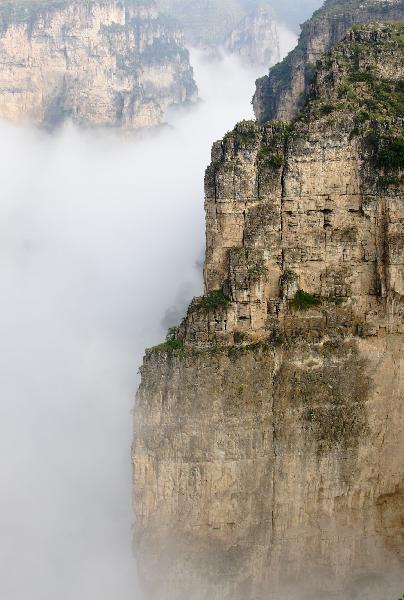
172 342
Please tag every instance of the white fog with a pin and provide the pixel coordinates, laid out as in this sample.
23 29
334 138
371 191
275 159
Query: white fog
99 237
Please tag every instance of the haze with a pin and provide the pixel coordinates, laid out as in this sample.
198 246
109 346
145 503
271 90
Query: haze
99 236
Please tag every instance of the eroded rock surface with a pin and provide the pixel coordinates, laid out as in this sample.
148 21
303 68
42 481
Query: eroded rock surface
98 63
269 447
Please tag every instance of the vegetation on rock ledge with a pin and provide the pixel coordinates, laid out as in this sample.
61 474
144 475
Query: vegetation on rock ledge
172 342
303 301
213 300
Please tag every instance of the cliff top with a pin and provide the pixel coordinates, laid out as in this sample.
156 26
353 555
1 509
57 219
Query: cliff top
304 233
362 75
21 11
332 7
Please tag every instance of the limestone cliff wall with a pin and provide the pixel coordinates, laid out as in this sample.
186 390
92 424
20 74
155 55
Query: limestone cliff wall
269 448
282 93
99 63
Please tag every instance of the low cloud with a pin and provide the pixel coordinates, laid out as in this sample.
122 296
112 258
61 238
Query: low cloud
99 236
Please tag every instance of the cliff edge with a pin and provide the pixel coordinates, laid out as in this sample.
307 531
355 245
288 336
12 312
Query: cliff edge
268 451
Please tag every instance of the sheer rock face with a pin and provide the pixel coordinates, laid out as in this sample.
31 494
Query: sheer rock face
256 39
98 63
282 93
268 453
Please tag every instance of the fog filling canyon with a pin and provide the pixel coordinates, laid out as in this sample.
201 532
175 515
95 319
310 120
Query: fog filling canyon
99 235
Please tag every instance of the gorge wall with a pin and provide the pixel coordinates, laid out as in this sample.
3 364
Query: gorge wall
256 39
283 92
268 450
249 30
97 62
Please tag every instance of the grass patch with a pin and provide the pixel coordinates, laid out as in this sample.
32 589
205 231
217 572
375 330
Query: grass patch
172 342
303 301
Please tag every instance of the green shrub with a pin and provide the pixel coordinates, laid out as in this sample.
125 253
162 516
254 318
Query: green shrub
385 182
172 342
239 337
213 300
326 109
362 76
277 159
392 156
245 133
265 153
303 300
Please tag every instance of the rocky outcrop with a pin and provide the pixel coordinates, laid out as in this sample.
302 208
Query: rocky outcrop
282 93
268 453
98 63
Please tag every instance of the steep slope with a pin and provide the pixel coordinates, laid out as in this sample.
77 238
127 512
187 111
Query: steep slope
283 92
97 62
268 452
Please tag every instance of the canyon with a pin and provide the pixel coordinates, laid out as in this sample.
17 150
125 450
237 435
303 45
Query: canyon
95 63
268 451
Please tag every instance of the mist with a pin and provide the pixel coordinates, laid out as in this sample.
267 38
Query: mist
101 243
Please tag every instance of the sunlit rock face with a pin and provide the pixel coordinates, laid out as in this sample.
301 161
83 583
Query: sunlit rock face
268 452
282 93
98 63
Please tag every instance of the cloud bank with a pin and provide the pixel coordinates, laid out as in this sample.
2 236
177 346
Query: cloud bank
99 237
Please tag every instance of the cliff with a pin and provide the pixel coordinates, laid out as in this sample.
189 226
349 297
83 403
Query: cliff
268 451
256 39
97 62
282 93
247 29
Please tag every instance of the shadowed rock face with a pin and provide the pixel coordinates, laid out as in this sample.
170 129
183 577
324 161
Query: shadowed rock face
268 452
98 63
282 93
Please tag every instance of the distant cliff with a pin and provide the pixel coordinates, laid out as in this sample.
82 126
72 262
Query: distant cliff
96 62
283 92
247 29
269 427
256 39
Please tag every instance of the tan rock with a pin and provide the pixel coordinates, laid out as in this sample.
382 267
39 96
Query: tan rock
96 63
